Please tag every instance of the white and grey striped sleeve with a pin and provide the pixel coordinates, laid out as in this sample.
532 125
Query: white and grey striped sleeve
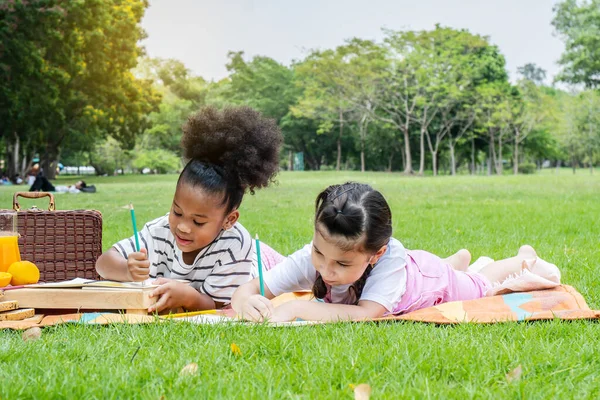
232 269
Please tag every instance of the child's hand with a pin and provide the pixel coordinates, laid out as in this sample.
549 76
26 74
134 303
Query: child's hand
138 266
284 312
257 308
172 294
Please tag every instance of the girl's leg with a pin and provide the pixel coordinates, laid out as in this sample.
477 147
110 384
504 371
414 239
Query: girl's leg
460 260
498 271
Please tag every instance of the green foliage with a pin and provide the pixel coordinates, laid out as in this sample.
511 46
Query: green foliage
262 83
158 160
578 23
108 156
527 168
72 75
78 56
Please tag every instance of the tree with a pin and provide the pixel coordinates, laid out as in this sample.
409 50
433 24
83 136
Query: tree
322 81
529 108
81 57
578 24
263 84
364 65
532 73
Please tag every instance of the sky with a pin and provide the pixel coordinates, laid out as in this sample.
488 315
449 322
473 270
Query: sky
201 32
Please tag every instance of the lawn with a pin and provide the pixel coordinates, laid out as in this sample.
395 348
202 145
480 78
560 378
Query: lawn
557 214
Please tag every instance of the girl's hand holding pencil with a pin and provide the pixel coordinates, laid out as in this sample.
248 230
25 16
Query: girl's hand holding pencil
138 265
257 308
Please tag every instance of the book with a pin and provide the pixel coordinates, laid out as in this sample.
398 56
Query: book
90 284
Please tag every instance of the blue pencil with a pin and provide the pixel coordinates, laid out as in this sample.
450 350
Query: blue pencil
260 272
135 233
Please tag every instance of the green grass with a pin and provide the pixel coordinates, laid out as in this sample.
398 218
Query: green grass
557 214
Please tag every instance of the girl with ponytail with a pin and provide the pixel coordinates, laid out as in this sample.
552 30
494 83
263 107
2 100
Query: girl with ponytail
359 271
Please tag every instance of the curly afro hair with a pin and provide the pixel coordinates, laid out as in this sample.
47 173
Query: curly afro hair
230 151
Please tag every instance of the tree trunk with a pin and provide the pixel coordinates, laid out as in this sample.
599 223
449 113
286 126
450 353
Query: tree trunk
408 166
403 158
493 151
362 148
434 162
591 164
452 159
14 165
516 155
339 143
290 160
390 159
362 158
422 153
499 163
472 156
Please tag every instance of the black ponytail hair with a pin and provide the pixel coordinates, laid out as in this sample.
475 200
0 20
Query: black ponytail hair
230 152
358 215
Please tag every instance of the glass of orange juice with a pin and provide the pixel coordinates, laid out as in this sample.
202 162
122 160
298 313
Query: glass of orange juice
9 240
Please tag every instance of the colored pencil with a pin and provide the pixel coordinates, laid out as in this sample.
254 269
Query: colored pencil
260 272
190 314
135 232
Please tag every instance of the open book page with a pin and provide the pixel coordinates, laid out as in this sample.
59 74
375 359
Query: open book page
148 283
114 285
93 284
73 283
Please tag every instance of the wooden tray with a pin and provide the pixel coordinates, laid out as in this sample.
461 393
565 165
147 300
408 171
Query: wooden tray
134 301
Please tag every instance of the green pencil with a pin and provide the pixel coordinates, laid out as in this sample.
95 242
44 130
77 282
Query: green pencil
135 233
260 272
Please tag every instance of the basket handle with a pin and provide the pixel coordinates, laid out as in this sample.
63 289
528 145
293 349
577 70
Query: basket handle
33 195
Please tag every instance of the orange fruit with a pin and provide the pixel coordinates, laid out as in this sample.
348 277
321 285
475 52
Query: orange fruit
23 273
5 278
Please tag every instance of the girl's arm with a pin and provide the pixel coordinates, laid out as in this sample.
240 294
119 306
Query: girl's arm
248 302
315 311
111 265
173 294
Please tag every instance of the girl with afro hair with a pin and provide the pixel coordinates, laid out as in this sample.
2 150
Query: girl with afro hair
229 152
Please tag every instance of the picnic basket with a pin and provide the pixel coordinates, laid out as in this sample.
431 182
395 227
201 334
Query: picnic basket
63 244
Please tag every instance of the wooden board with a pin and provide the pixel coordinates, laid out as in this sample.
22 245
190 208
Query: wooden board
136 301
17 315
8 305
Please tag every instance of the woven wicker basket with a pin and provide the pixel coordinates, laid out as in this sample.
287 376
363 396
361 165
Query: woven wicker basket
63 244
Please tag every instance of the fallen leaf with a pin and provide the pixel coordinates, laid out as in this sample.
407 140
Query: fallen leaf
32 334
189 369
362 391
515 374
235 350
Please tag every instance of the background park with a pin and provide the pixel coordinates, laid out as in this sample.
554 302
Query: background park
513 155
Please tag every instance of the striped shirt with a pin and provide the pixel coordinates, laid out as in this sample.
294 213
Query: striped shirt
219 268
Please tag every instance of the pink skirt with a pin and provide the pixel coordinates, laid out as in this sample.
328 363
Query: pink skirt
431 281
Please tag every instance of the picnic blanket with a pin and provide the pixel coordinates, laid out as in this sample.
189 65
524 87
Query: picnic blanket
562 302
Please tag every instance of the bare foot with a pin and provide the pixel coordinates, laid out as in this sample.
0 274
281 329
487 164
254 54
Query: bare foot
460 260
526 251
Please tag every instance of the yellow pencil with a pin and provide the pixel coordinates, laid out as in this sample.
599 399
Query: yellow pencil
190 314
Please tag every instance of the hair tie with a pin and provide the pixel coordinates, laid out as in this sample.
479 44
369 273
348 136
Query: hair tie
334 195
